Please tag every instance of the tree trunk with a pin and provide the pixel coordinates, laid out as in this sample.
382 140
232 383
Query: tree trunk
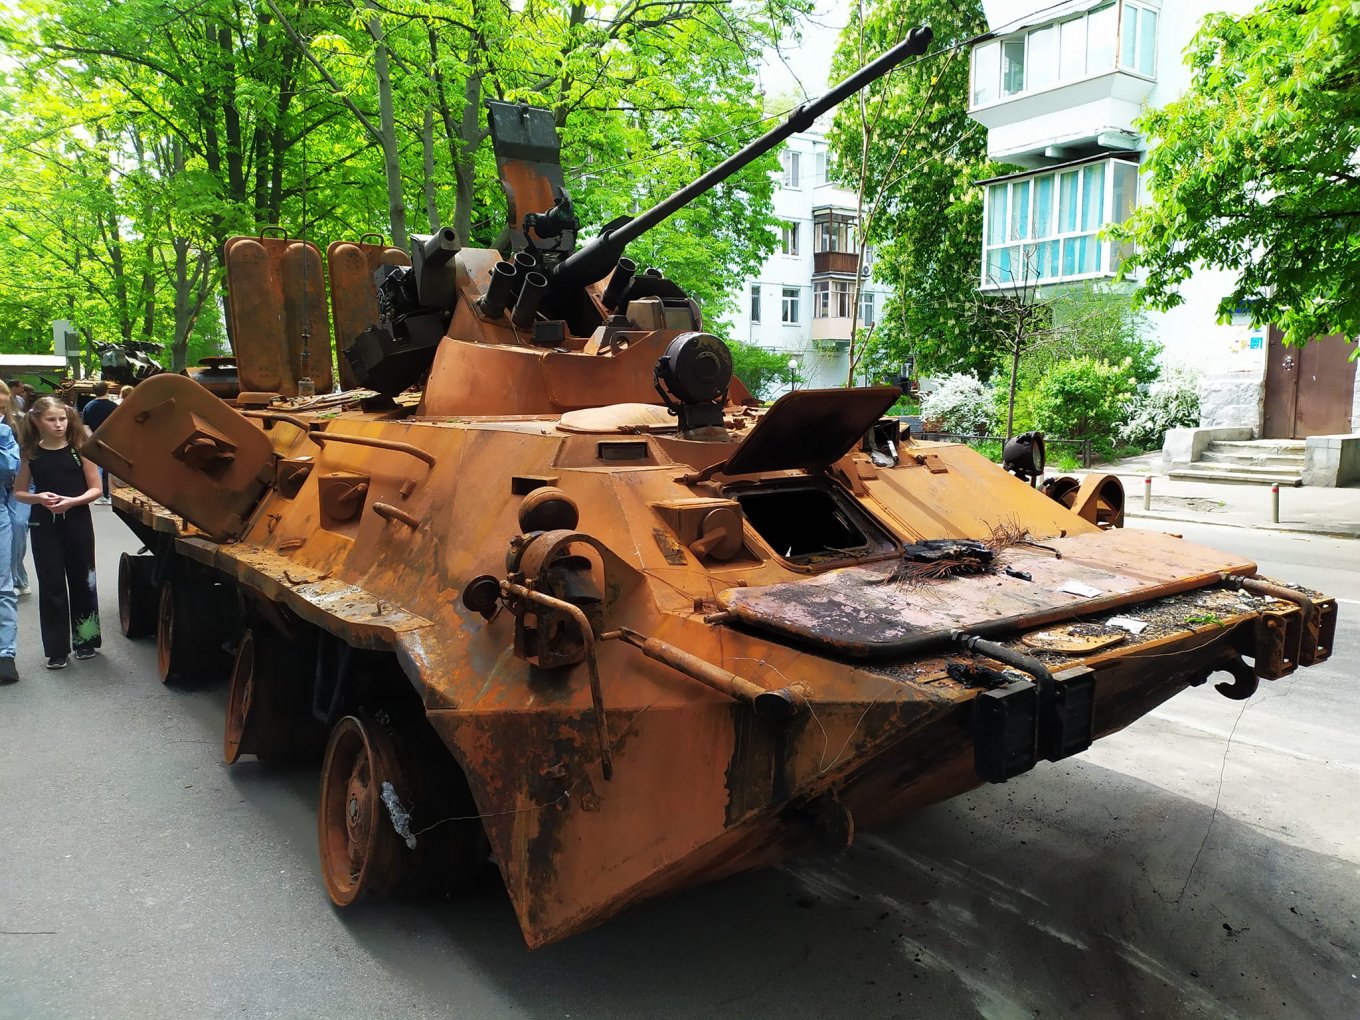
387 124
1015 372
463 135
427 151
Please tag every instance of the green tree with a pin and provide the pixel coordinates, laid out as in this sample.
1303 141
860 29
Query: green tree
1253 170
764 371
921 157
221 118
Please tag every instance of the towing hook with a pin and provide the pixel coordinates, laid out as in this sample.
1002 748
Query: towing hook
1244 677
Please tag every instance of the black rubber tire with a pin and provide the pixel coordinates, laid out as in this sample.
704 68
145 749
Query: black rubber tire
183 652
138 599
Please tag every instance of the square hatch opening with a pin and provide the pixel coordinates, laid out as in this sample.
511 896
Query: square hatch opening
811 524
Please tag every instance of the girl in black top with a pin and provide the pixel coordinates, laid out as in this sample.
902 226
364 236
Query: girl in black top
60 528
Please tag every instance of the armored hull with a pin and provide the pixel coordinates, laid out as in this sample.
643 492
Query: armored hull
544 586
879 690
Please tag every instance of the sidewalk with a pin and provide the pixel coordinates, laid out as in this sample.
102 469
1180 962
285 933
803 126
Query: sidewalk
1312 510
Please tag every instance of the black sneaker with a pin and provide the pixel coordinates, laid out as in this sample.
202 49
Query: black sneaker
86 653
57 662
8 674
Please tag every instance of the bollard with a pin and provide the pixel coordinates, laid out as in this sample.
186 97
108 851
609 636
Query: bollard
1275 503
1147 493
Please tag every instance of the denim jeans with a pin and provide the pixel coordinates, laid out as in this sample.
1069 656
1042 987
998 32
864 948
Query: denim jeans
9 615
18 523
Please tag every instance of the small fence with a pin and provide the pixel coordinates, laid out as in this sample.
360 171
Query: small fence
1083 445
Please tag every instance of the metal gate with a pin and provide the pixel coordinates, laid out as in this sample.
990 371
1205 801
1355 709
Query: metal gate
1308 389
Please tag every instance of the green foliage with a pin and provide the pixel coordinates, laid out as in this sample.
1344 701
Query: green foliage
1170 402
137 138
921 162
765 372
1091 320
960 404
1253 169
1082 398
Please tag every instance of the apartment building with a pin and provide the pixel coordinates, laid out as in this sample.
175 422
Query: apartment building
800 302
1059 88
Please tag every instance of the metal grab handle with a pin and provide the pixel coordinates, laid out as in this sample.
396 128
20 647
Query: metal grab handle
322 438
396 445
290 419
388 512
109 449
779 704
588 641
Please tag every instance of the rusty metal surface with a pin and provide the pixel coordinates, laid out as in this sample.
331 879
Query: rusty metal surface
859 611
158 437
350 267
573 846
810 429
275 296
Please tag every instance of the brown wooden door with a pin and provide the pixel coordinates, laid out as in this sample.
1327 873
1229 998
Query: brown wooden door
1308 389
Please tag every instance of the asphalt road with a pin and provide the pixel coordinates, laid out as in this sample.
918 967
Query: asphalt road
1201 863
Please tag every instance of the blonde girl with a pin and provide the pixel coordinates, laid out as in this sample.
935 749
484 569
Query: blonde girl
61 529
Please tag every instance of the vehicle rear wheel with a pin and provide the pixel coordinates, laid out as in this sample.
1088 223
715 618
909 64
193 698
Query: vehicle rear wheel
360 849
180 653
267 710
137 596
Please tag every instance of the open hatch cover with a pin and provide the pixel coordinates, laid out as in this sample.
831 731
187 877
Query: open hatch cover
810 429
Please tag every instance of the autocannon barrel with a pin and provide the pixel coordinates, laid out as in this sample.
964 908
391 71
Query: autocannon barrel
595 258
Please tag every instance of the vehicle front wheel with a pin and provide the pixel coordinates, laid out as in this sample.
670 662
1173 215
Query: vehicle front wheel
360 849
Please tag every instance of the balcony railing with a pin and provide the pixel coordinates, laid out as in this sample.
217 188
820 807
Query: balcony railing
844 263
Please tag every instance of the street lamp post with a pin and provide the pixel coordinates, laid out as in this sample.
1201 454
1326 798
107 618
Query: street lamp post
793 373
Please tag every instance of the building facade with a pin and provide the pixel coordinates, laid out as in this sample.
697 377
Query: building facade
800 302
1059 88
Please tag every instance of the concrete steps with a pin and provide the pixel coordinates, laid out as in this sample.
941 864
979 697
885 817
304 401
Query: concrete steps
1251 462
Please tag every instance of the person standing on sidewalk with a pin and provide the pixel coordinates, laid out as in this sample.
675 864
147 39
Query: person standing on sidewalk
10 412
95 414
9 610
61 528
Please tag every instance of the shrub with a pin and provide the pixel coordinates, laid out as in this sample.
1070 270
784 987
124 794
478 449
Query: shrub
959 404
1170 402
1083 398
764 371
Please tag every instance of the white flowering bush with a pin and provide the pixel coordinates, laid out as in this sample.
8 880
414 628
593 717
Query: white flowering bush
959 404
1170 402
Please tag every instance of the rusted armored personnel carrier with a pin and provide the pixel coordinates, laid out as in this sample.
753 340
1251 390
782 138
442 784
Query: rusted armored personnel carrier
549 591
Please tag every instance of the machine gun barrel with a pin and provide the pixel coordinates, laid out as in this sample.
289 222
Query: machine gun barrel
605 249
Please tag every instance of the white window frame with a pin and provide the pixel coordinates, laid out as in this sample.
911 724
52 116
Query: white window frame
987 56
788 238
788 306
1105 251
755 302
788 159
1136 7
867 312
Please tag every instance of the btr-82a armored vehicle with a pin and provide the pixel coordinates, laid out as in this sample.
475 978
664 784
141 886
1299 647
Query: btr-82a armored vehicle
550 590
